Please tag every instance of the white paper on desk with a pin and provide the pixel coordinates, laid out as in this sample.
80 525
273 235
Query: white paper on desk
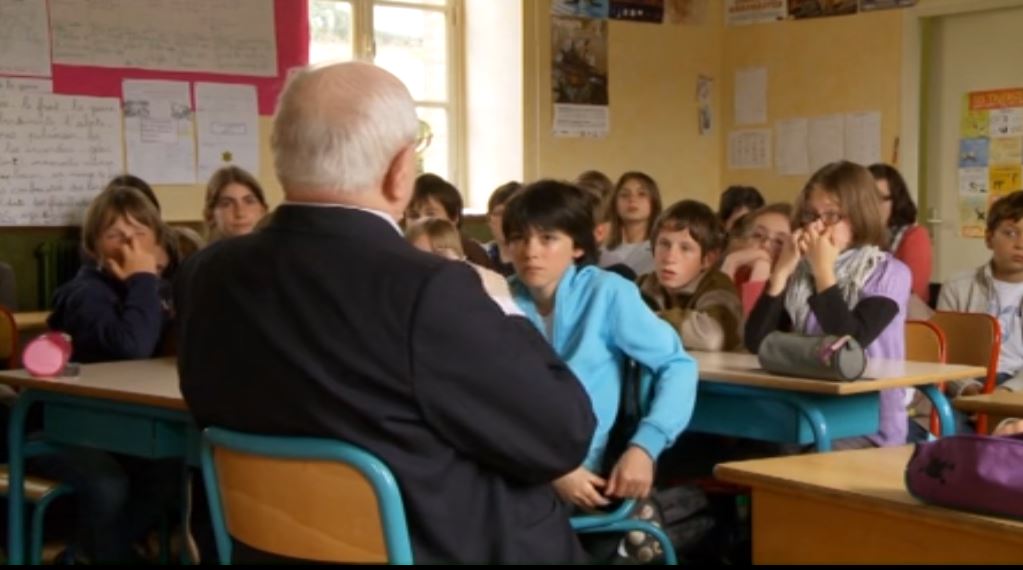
827 140
227 117
581 120
24 38
863 137
158 131
791 155
751 96
749 149
14 85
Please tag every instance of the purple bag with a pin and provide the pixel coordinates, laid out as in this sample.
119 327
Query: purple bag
978 473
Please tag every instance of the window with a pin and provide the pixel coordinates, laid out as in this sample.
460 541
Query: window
417 41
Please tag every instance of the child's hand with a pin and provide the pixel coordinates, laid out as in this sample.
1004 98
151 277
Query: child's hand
632 476
1009 427
748 256
822 253
134 259
580 487
788 259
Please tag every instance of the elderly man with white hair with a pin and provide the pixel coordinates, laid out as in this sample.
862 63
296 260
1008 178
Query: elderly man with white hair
328 323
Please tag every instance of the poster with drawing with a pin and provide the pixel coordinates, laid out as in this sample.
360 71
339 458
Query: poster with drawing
990 154
871 5
579 76
743 12
685 12
800 9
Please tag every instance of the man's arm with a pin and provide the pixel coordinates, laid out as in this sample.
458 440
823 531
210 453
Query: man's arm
492 386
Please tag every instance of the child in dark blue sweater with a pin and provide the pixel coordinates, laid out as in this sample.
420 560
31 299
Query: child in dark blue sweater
113 310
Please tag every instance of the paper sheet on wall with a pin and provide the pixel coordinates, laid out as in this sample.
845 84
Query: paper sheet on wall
219 36
791 154
10 85
827 140
1005 122
158 131
863 137
740 12
24 38
56 153
751 96
227 119
581 120
749 149
1005 151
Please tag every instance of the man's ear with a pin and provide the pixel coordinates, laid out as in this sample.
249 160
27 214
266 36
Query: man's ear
399 180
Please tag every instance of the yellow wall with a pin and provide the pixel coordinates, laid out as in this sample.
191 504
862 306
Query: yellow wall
652 75
815 67
184 203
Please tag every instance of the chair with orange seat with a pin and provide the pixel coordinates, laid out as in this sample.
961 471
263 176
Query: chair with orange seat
973 339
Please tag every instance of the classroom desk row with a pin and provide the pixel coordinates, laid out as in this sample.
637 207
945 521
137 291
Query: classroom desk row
136 408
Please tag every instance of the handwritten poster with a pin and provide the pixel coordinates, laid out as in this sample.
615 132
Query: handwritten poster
56 153
10 85
219 36
990 153
228 123
751 96
24 38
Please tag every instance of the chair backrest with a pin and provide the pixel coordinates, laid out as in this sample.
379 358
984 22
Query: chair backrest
925 342
8 339
8 288
973 339
313 499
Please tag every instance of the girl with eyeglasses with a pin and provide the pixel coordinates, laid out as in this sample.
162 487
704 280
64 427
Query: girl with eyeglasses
753 252
834 276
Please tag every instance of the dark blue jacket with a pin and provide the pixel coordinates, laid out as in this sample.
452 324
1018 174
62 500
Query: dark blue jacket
109 319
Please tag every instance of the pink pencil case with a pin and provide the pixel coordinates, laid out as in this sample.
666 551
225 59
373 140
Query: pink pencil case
47 356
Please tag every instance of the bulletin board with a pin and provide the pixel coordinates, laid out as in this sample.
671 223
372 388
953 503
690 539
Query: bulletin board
990 154
60 148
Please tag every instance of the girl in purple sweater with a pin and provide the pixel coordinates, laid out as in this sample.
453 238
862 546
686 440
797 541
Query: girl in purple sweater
834 277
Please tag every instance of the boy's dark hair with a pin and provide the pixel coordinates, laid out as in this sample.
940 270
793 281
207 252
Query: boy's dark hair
735 197
1008 207
614 238
553 205
137 183
697 217
903 208
432 186
502 194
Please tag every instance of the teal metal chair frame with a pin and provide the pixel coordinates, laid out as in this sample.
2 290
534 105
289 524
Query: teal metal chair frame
389 502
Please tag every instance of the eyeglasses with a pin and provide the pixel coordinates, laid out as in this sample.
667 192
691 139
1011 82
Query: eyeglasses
884 198
829 218
1009 233
773 241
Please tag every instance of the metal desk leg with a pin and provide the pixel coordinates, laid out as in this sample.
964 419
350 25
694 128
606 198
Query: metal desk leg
941 406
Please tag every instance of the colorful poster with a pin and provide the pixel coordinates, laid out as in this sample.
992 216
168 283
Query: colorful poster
685 12
975 123
972 215
1005 122
1005 151
579 76
596 9
996 99
1004 180
637 10
871 5
973 181
743 12
973 152
819 8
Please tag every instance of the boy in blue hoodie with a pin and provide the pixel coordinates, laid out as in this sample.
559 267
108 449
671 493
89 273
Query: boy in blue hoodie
595 320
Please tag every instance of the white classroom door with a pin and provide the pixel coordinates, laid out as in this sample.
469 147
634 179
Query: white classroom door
969 52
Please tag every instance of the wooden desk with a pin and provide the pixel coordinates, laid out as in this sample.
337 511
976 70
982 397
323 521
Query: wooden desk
851 507
998 403
31 321
131 407
737 398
